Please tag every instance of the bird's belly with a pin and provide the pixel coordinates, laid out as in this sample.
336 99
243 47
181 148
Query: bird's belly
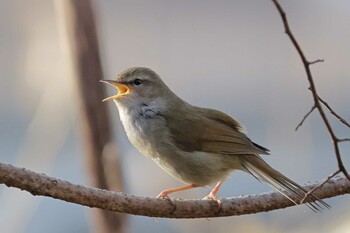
199 168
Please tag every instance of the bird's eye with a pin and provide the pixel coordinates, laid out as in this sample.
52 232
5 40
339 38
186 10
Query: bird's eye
137 82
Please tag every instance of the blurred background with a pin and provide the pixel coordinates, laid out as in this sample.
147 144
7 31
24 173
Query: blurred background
228 55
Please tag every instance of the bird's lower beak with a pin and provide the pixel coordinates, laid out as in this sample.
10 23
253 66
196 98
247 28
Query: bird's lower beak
122 89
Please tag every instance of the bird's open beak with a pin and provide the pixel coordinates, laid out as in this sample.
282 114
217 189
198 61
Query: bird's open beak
122 89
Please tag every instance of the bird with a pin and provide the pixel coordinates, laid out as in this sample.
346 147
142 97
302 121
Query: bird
198 146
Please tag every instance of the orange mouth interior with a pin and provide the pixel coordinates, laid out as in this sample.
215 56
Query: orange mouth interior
122 89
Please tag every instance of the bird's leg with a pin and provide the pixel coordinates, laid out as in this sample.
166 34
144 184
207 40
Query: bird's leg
212 194
165 193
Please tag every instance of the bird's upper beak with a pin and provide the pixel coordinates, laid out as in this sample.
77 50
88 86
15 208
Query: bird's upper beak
122 89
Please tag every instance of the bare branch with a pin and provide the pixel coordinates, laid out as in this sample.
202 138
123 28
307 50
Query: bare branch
304 118
39 184
342 120
334 113
316 61
317 101
344 140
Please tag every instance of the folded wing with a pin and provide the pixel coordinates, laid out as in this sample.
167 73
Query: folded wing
211 131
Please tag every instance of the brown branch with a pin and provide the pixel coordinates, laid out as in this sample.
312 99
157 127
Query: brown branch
304 118
317 102
42 185
334 113
316 61
103 166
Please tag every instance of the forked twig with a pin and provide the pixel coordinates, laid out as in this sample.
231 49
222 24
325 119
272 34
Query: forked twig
342 120
334 113
317 100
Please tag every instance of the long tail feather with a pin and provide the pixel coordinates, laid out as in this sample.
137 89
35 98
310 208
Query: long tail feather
262 171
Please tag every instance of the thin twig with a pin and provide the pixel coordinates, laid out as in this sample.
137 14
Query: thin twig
334 113
344 140
304 118
319 185
315 95
342 120
316 61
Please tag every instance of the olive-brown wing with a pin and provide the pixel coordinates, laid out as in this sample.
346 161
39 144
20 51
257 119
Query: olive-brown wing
211 131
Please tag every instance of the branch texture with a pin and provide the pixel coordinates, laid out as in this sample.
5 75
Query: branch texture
42 185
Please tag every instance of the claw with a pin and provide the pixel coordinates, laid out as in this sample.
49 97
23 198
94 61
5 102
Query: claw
164 195
212 197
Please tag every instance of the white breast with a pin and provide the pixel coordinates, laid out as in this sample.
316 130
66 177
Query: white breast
143 126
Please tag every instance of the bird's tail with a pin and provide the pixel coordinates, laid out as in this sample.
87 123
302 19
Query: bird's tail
264 172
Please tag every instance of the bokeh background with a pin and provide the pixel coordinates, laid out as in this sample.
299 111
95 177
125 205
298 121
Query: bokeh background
228 55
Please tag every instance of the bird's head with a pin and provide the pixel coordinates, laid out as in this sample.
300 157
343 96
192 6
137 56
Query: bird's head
138 84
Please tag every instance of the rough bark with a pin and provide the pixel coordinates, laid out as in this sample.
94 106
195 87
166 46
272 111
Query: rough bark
39 184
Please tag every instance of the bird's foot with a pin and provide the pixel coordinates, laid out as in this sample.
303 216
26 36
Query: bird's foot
212 197
164 195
